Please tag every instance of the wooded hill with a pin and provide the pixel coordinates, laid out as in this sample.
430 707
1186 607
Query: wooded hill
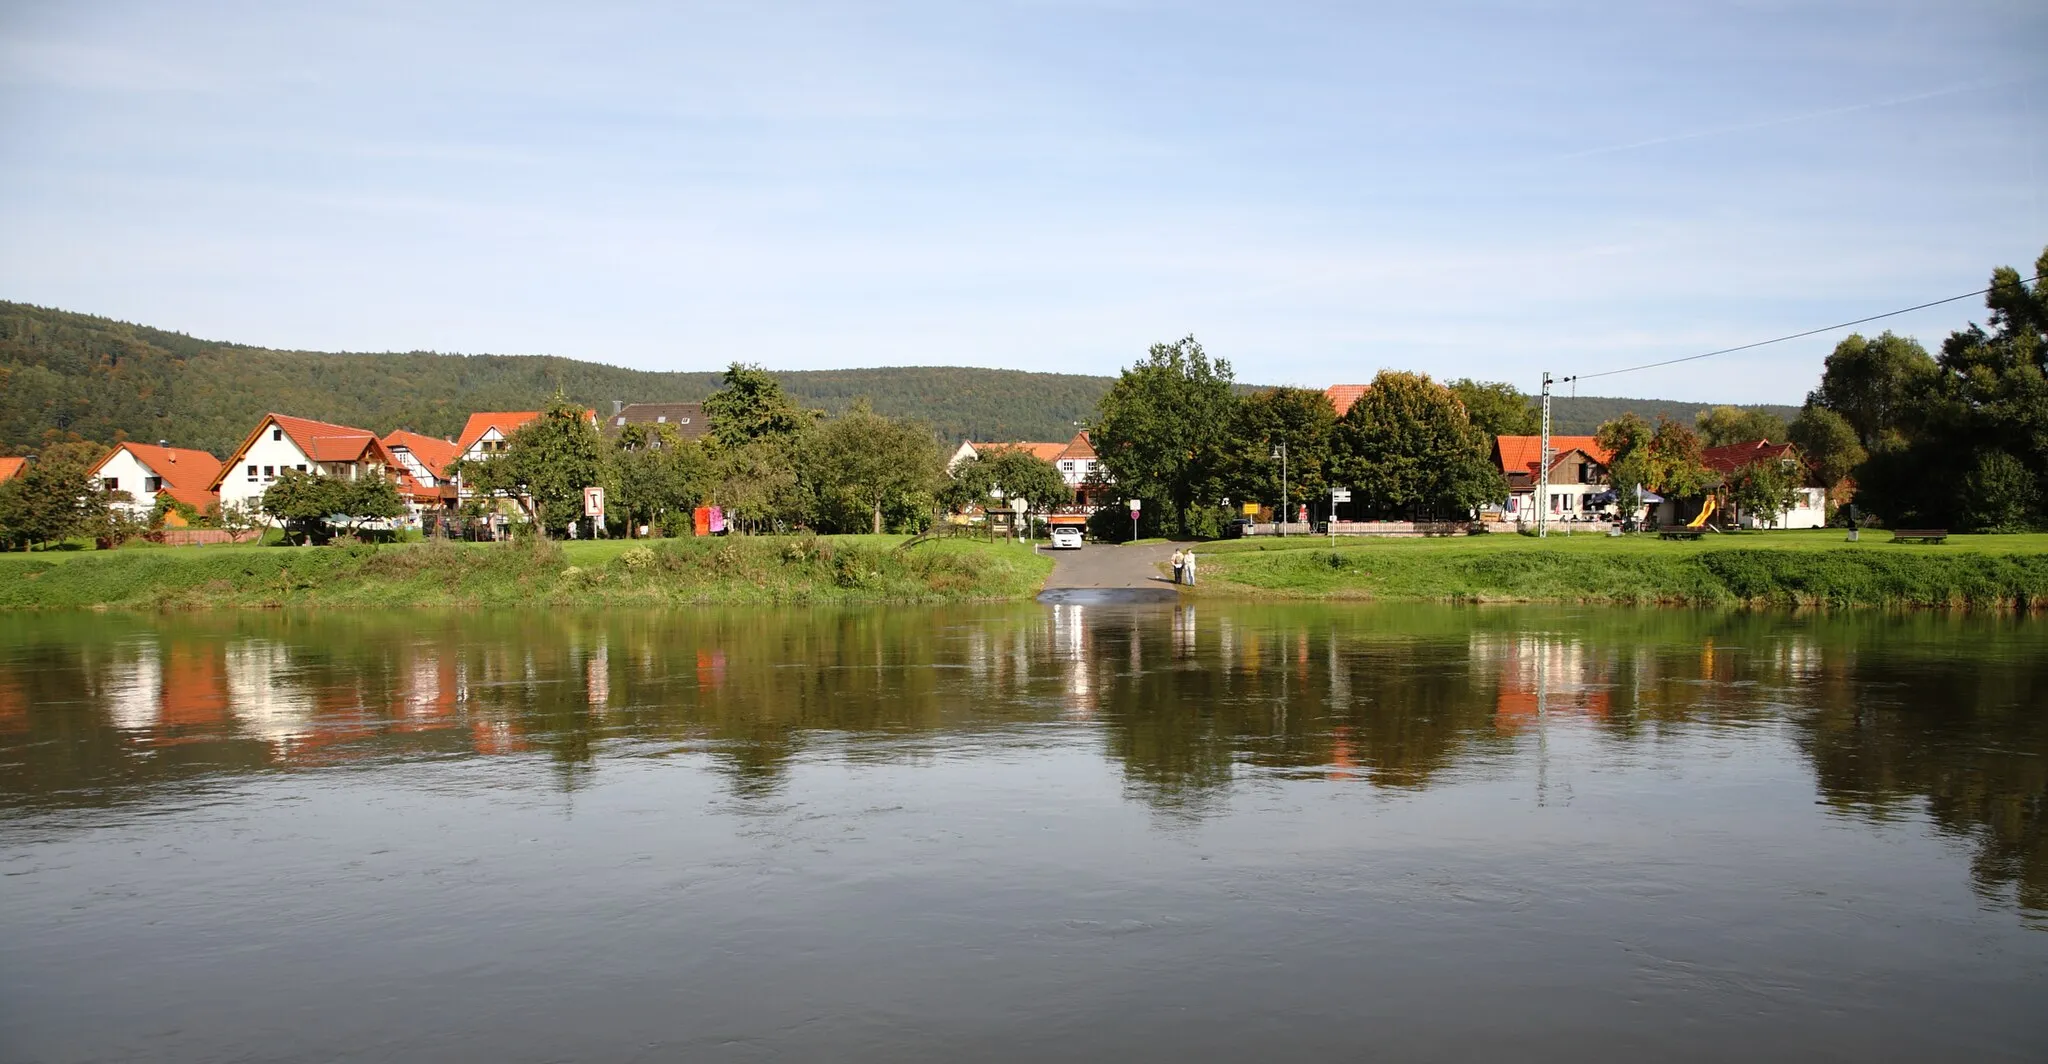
103 379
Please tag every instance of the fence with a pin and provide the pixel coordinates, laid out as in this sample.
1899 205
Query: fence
200 537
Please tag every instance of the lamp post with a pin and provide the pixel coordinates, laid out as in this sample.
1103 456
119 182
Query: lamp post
1280 452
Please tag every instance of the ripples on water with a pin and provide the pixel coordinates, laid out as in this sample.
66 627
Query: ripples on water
1023 833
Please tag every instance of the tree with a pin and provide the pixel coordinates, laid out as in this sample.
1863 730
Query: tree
55 498
108 520
1406 445
1160 430
1672 461
653 472
1724 425
757 485
1007 473
371 497
863 460
1497 408
1874 385
1626 439
1304 420
1765 488
304 501
1828 444
750 406
545 465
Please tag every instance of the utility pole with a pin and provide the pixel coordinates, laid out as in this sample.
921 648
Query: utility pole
1543 468
1280 452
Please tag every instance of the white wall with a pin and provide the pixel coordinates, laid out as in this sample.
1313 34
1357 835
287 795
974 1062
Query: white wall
129 475
266 454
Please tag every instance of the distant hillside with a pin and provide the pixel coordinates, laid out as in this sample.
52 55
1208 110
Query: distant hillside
1583 415
104 379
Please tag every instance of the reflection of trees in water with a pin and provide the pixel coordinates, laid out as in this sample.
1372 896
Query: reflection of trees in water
1894 713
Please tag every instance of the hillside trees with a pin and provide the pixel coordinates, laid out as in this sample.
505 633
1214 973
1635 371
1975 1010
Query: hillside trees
1407 448
1160 431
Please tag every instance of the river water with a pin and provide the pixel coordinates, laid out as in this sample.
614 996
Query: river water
1023 834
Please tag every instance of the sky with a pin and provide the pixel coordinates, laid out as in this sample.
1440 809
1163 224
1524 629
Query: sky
1314 191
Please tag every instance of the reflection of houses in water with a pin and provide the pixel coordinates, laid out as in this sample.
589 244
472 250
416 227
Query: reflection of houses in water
197 689
1539 675
1070 645
268 701
597 678
1183 631
134 694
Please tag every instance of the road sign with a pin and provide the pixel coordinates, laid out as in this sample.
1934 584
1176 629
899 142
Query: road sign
1340 494
1018 506
1135 507
593 502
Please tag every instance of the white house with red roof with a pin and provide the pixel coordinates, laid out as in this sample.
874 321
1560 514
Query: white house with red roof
147 472
281 442
486 434
1578 474
1076 459
1811 508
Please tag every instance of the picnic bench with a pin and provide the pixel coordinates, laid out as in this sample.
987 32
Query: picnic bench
1919 535
1680 531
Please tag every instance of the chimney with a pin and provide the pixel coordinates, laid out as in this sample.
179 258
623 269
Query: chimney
618 406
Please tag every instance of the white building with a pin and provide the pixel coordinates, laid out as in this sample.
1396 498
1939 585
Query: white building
146 472
280 443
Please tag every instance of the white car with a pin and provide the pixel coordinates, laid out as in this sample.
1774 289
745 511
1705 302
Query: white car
1066 537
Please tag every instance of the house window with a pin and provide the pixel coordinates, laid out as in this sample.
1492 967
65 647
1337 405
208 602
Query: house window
252 474
620 422
302 467
270 472
152 484
277 434
682 421
661 419
111 483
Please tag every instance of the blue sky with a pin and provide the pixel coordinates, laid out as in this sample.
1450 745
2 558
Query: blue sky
1315 191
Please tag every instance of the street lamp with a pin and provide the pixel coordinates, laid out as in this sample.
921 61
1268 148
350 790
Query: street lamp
1280 453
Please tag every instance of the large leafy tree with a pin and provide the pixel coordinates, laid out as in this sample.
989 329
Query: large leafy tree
1875 385
1304 420
1626 440
54 499
545 465
864 462
1160 430
1724 425
1406 447
1005 473
304 501
1497 408
1765 488
1828 443
757 484
1672 461
750 406
653 472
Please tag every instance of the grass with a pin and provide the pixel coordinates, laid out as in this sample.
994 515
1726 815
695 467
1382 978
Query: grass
1798 569
735 570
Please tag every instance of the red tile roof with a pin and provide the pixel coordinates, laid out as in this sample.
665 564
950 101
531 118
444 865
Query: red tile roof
1343 395
1050 452
1734 456
188 474
433 452
505 421
1520 454
1078 447
11 467
320 441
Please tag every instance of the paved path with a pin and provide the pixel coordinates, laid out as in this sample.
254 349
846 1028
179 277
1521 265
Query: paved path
1101 573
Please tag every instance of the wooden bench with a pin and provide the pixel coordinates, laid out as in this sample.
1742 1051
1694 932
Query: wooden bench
1919 535
1680 532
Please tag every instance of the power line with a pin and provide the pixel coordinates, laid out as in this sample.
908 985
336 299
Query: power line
1794 336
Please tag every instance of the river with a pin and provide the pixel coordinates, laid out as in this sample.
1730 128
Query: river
1225 832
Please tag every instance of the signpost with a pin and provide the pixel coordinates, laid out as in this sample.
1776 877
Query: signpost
1134 518
593 508
1020 507
1337 495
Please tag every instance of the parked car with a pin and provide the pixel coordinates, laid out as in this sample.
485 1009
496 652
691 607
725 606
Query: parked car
1066 537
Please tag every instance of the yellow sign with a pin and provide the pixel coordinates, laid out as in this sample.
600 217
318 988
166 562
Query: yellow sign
1251 509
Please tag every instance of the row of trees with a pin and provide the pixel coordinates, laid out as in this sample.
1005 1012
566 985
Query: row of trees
1174 431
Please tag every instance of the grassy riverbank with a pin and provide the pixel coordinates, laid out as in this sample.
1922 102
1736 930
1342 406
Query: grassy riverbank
735 570
1769 568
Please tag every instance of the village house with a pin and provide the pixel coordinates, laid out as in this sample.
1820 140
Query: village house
687 419
486 434
1076 460
428 486
11 468
1578 489
1341 396
1809 511
280 443
148 472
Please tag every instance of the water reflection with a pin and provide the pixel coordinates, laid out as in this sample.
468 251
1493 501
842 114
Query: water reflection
1941 716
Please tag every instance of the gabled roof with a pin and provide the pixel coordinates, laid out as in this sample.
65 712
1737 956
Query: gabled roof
319 441
1734 456
1520 454
433 452
12 467
505 421
1049 452
188 474
1343 395
1078 447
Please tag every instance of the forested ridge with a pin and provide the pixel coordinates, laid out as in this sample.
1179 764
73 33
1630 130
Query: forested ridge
102 379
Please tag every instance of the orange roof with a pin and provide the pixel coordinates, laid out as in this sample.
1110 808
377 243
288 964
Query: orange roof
1734 456
1343 395
432 451
11 467
1050 452
183 469
1519 454
505 421
1079 447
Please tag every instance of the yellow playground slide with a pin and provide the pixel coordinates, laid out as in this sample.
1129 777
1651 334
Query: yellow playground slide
1705 512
